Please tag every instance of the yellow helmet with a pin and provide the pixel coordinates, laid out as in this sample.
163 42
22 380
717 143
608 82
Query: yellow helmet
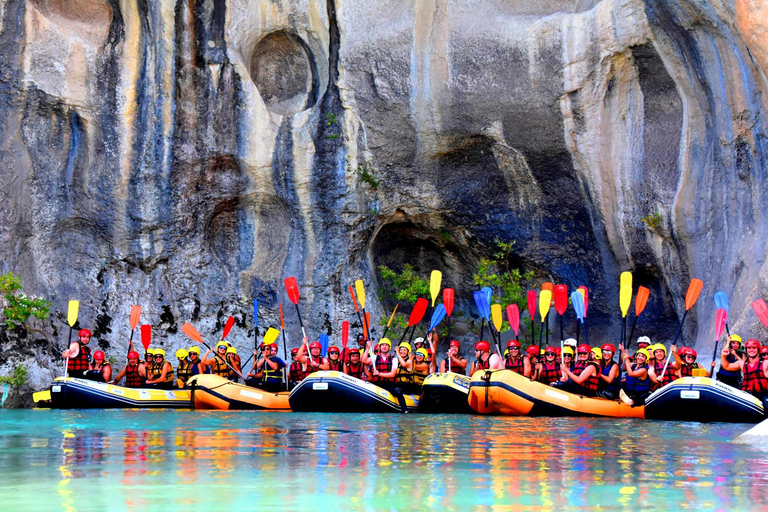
735 337
182 353
422 352
405 345
231 350
150 351
567 350
597 353
506 353
644 352
660 346
196 350
221 344
385 341
159 352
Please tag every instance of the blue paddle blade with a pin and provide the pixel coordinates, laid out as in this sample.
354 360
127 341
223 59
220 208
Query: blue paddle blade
721 301
578 305
488 294
482 305
256 312
324 343
437 316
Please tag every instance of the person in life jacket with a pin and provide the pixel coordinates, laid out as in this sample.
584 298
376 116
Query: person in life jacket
637 387
216 360
148 361
482 357
583 380
764 353
732 377
234 364
515 361
688 362
454 362
79 355
310 356
354 367
161 374
99 370
272 368
383 365
548 370
753 368
421 369
534 354
417 344
404 364
134 373
610 373
334 359
659 378
296 371
361 347
183 368
196 368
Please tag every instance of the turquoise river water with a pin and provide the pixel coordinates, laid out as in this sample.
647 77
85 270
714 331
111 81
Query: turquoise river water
238 461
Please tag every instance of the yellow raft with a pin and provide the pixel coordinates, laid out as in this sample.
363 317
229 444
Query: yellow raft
214 392
506 392
445 393
73 393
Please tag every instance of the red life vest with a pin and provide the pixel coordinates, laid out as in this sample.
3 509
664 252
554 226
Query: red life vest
455 369
81 360
686 370
480 365
383 365
335 366
754 381
296 372
669 376
516 365
593 380
354 370
132 377
549 373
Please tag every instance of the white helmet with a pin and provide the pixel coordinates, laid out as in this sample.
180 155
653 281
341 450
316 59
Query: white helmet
418 340
644 339
570 342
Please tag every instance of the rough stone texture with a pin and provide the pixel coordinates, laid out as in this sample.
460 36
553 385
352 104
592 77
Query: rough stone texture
189 155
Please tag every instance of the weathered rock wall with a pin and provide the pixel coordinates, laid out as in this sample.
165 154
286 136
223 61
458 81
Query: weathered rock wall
188 155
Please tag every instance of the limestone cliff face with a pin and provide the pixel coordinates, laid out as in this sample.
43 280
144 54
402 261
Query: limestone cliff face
189 155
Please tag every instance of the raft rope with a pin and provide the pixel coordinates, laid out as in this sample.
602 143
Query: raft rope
487 379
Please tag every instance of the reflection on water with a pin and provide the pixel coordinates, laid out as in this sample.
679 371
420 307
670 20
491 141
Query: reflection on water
192 460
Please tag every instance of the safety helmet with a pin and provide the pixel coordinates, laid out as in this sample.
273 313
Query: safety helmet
221 344
659 346
597 353
764 350
570 342
541 352
84 332
643 352
294 351
231 350
751 344
315 344
513 343
98 355
133 354
533 350
568 350
550 350
181 353
483 346
334 350
149 351
422 352
385 341
735 337
159 352
196 350
644 339
610 347
405 345
687 351
506 353
584 349
418 340
454 343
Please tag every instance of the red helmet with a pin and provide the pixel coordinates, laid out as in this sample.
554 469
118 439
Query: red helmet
131 355
584 349
609 346
84 332
764 350
294 351
315 344
692 352
99 355
455 343
533 350
334 350
550 350
752 343
513 343
483 346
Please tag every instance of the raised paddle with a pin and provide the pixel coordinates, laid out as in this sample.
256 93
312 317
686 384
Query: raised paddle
391 317
357 310
531 298
134 319
228 327
437 316
417 313
448 296
691 296
585 297
344 335
435 280
483 308
269 338
360 289
292 289
324 341
545 302
72 309
548 286
721 302
721 317
367 325
513 315
625 299
561 303
146 336
641 299
282 329
497 319
577 300
190 331
761 310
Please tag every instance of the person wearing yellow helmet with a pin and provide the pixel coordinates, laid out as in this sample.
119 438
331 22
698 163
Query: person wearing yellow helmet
184 368
754 369
234 363
161 373
637 386
404 364
196 367
421 368
383 365
660 377
216 360
732 377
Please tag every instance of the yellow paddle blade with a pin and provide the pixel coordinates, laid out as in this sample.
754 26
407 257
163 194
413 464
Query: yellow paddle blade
625 280
41 396
74 308
496 316
393 315
545 302
435 280
625 297
270 336
360 289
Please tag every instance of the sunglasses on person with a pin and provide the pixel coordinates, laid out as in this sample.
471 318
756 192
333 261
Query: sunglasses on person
158 357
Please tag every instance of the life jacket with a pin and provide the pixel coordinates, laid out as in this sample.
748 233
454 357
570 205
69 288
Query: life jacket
356 372
195 369
403 375
132 377
455 369
735 374
754 381
549 373
273 376
593 381
157 369
296 372
81 360
686 370
480 365
636 385
606 371
384 365
184 371
669 376
516 365
309 370
418 376
232 375
220 367
335 365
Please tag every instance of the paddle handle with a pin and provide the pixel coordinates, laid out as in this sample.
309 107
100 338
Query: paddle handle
584 326
449 336
482 328
714 355
631 332
130 342
727 329
66 360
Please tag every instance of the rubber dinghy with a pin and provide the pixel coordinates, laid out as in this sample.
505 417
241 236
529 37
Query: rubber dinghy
215 392
506 392
73 393
445 393
329 391
705 400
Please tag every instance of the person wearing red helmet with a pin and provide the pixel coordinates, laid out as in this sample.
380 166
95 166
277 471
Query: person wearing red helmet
310 356
296 371
267 373
688 362
610 373
583 380
482 357
454 362
334 359
754 370
534 354
134 373
78 355
515 361
548 370
354 367
99 370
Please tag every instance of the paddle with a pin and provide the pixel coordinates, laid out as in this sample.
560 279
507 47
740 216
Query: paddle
146 336
361 298
483 308
625 299
691 296
577 300
437 316
269 338
324 341
391 317
344 335
641 299
497 318
548 286
357 310
435 280
585 296
488 294
761 310
531 298
448 296
227 327
72 309
190 331
256 322
561 303
545 302
134 319
292 289
282 329
367 317
417 313
721 317
721 302
513 315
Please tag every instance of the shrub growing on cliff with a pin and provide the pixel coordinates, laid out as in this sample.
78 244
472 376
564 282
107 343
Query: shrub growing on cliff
404 287
19 307
17 378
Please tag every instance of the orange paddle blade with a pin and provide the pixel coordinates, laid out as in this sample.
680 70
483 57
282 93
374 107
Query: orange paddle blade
367 322
354 299
694 289
548 286
641 299
190 331
135 316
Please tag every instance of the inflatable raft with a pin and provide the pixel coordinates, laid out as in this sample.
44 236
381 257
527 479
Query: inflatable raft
445 393
214 392
73 393
506 392
705 400
330 391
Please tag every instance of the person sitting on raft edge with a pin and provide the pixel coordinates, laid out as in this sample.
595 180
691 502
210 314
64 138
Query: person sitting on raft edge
548 371
754 369
100 370
515 361
454 362
334 359
272 368
160 375
134 373
610 373
310 356
660 378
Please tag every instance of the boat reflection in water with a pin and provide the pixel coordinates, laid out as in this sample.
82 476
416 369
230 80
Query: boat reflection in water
215 460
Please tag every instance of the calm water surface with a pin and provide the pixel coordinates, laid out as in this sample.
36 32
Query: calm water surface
238 461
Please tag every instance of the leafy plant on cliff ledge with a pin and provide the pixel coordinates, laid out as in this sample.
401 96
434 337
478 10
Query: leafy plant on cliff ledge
404 287
18 307
652 220
17 378
366 173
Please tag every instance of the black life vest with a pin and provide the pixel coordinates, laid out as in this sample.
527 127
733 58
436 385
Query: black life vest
612 386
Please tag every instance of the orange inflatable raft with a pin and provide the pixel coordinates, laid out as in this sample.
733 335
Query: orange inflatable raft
214 392
506 392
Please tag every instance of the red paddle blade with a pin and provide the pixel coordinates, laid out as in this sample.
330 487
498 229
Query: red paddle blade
694 289
641 299
190 331
548 286
585 293
720 318
513 315
292 289
418 312
228 327
282 318
146 336
532 303
135 316
367 322
448 300
344 333
762 311
561 298
354 299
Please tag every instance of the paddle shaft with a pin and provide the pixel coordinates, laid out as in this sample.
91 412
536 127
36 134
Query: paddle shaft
223 359
130 342
449 334
714 355
561 327
584 326
69 344
631 332
301 324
